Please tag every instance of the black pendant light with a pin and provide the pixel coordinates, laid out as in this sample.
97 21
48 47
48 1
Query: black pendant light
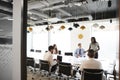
76 25
70 28
47 28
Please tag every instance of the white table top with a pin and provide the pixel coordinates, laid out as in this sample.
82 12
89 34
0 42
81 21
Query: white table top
71 59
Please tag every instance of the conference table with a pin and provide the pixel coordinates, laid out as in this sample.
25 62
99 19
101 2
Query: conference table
76 62
106 64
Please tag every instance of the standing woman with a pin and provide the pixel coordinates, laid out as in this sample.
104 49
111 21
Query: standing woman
95 46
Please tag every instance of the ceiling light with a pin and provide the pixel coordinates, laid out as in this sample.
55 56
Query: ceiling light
51 27
102 27
32 50
70 28
62 27
47 28
76 25
95 25
80 36
82 27
30 29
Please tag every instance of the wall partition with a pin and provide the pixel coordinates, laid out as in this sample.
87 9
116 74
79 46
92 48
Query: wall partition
19 40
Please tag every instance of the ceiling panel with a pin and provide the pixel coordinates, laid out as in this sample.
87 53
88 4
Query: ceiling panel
70 8
5 16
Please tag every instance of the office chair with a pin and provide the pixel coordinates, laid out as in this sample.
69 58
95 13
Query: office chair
92 74
59 58
113 74
44 67
65 69
32 50
68 53
30 63
37 67
39 51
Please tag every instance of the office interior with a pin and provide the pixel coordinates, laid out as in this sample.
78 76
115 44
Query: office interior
64 23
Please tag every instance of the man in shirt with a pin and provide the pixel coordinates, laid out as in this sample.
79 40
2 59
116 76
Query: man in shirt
79 52
91 63
49 57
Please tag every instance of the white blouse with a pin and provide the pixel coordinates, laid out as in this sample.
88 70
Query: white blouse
94 46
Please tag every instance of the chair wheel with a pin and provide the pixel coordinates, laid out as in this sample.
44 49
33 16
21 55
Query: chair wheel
42 76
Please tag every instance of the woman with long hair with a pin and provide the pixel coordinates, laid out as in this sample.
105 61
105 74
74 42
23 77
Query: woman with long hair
95 46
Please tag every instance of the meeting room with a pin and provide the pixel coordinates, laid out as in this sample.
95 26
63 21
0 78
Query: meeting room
59 40
73 40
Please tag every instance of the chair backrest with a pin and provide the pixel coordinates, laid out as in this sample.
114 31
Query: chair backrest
30 61
114 71
59 52
32 50
39 51
65 68
44 65
68 53
92 74
59 58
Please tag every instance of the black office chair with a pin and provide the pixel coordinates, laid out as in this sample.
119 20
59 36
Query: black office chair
65 68
68 53
39 51
31 50
59 58
44 67
37 67
113 74
30 63
92 74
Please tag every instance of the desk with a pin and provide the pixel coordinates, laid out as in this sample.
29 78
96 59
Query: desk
71 59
